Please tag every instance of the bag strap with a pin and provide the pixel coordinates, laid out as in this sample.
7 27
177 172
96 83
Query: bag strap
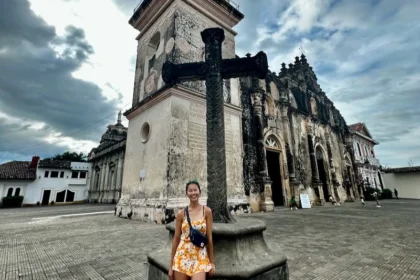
188 216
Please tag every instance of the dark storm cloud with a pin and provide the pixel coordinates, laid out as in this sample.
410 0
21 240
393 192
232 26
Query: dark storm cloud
36 84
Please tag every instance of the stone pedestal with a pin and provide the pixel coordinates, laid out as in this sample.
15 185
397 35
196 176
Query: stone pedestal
240 253
267 204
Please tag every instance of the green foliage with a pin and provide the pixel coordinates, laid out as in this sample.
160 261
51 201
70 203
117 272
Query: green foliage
12 201
368 193
69 156
386 194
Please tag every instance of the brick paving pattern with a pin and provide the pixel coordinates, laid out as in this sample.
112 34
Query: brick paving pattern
345 242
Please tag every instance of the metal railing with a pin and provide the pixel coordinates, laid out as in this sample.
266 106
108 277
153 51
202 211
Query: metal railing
138 5
233 3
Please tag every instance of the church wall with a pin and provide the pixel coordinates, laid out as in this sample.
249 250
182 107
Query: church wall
188 147
99 192
302 158
151 156
179 155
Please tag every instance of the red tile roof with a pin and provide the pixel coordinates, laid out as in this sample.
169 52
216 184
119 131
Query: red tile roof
357 127
17 170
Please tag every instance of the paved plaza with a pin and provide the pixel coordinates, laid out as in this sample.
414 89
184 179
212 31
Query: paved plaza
345 242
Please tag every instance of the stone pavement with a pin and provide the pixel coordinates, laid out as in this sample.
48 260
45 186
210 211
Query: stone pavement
345 242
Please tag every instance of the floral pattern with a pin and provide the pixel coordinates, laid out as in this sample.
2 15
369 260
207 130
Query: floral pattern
190 259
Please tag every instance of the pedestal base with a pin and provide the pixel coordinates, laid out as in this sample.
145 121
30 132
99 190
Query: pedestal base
240 253
267 204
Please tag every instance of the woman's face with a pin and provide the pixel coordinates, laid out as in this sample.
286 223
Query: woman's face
193 192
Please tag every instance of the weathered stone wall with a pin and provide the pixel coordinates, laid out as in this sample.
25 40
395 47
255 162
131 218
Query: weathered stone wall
296 107
176 150
174 154
150 156
176 37
106 178
154 47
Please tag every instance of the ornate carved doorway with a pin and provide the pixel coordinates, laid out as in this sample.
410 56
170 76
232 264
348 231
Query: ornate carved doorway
273 155
322 172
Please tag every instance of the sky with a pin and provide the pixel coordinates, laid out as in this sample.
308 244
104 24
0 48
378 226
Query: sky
67 67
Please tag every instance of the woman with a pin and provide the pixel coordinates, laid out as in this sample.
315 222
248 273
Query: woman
187 260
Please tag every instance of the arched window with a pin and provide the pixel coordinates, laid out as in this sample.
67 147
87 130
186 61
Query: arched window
152 49
70 196
9 192
358 148
65 196
314 108
319 155
17 192
272 142
292 99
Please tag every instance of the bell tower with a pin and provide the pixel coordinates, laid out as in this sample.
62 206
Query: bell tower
166 141
170 30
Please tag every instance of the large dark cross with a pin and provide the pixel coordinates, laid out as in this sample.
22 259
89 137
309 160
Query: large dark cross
213 71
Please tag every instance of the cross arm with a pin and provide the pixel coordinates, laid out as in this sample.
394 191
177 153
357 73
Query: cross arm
256 66
172 73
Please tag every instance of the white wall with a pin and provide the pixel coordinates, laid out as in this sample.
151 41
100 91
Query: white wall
407 184
363 145
6 185
35 190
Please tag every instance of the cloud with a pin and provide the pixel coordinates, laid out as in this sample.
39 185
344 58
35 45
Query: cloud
61 71
127 6
365 54
37 84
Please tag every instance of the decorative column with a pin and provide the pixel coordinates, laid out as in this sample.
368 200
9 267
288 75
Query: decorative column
263 180
288 139
331 161
91 182
316 183
104 181
311 148
118 185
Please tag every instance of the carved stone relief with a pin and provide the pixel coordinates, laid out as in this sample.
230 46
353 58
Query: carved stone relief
169 45
151 82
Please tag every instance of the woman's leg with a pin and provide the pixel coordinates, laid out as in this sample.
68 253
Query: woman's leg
199 276
181 276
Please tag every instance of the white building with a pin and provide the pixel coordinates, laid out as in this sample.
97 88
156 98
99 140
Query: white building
45 181
368 165
405 179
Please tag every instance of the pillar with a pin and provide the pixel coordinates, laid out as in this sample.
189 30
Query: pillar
293 182
264 181
316 183
118 184
104 170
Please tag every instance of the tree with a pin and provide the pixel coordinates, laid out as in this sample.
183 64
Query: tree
69 156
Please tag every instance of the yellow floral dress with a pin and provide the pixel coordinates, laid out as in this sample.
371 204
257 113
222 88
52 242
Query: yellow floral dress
190 259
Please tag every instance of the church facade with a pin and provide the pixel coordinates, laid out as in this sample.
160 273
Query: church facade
283 135
107 165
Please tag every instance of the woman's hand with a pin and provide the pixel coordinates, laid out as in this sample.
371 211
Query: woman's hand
171 274
212 270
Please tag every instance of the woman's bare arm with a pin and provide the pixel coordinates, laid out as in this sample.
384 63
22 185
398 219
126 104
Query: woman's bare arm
177 235
209 233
